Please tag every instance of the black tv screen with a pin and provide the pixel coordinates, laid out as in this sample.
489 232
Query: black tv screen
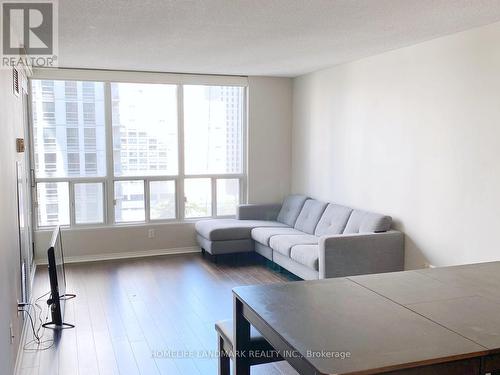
57 277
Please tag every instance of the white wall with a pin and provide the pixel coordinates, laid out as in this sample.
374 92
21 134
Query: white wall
107 242
414 133
269 160
269 139
11 123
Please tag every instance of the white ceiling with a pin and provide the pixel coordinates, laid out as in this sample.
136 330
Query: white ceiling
252 37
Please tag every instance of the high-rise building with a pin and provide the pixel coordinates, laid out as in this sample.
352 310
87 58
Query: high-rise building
68 134
70 142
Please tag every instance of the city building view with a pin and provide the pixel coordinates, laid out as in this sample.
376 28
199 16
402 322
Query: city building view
72 166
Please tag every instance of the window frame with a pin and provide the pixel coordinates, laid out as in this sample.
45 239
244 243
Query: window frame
108 181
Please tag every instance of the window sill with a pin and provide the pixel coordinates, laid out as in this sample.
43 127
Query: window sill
83 227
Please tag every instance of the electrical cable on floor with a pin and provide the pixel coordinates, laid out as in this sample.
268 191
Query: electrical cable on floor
37 344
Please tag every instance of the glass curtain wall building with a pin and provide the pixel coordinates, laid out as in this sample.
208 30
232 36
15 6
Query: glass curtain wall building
74 167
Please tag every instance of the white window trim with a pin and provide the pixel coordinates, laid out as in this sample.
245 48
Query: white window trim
138 77
108 77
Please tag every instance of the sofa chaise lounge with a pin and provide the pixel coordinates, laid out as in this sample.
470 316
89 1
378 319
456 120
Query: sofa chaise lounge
309 238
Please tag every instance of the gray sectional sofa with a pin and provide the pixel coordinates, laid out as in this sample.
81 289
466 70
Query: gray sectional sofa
309 238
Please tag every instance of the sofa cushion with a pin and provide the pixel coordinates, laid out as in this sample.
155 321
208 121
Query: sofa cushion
333 220
310 215
283 243
231 229
307 255
367 222
290 209
264 234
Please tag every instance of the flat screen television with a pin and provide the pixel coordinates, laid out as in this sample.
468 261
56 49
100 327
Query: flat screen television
57 278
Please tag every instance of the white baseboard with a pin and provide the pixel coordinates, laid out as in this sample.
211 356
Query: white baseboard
130 254
125 255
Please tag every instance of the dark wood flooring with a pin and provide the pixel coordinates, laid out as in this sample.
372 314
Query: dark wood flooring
146 316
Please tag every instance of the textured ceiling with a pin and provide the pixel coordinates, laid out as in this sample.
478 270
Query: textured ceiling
252 37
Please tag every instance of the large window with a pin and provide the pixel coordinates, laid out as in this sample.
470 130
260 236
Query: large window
59 140
117 152
144 129
213 129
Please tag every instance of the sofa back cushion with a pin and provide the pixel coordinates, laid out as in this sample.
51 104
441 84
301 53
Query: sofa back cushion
290 209
367 222
310 215
334 220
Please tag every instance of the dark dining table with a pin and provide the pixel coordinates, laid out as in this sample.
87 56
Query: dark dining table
431 321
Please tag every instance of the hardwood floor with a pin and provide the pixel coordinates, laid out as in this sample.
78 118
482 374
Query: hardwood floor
146 316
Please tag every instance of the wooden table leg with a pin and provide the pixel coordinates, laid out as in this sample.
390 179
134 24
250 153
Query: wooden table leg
241 346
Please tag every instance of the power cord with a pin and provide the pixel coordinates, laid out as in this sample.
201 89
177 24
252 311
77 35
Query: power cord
37 343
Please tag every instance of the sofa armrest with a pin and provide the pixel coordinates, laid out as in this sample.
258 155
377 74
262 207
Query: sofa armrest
361 253
258 211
